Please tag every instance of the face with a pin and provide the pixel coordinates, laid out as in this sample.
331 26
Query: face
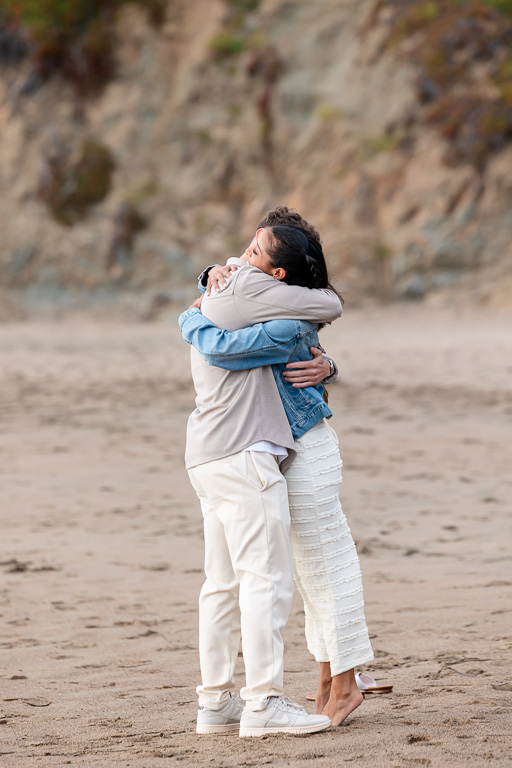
257 254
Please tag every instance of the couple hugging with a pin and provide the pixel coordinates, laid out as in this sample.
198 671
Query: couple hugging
266 467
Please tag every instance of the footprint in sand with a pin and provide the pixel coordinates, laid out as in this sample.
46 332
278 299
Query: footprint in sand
502 687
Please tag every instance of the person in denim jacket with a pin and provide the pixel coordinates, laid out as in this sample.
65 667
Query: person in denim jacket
326 565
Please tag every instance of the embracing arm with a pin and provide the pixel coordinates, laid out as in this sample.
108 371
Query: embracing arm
262 344
238 350
259 297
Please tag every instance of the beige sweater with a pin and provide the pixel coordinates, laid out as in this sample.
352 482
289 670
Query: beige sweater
237 408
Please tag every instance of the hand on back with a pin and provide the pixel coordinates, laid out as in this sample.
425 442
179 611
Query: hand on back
308 373
218 277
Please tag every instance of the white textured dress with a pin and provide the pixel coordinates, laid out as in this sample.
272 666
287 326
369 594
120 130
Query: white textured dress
327 570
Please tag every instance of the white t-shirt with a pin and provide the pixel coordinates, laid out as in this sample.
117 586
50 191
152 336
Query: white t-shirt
265 446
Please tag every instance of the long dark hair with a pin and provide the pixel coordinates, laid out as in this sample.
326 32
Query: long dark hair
301 256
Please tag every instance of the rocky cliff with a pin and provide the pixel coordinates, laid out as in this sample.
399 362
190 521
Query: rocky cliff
225 109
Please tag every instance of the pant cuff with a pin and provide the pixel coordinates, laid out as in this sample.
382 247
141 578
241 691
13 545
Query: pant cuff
214 704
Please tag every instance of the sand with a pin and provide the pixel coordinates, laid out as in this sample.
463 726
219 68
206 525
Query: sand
101 546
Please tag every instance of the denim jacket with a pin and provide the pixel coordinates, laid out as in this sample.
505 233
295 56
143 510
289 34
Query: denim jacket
275 343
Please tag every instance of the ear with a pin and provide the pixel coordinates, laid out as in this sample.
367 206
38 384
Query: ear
279 274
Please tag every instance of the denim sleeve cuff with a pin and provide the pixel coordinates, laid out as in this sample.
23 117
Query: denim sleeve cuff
203 277
186 314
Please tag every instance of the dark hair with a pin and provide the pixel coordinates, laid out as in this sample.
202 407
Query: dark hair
301 256
287 217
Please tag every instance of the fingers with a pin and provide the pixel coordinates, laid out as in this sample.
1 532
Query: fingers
318 366
301 376
215 285
307 373
304 374
217 279
307 364
316 361
301 373
213 280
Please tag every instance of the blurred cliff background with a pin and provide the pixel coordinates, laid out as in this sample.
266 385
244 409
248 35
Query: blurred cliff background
142 140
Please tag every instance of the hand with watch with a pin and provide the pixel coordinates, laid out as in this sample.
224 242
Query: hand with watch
308 373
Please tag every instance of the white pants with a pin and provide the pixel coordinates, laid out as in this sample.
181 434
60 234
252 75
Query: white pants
248 561
327 570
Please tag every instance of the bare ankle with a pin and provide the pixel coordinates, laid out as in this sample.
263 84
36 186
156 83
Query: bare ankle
323 693
344 684
325 674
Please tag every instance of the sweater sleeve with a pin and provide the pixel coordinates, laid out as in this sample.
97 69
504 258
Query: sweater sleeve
259 297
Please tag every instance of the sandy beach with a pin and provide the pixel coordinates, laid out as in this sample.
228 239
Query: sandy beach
101 545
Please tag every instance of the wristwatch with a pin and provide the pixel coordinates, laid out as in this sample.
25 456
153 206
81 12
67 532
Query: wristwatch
333 371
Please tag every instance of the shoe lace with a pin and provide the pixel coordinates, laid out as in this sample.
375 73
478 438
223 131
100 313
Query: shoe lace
236 698
291 706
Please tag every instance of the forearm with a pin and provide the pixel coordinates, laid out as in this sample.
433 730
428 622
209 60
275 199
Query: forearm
236 350
260 298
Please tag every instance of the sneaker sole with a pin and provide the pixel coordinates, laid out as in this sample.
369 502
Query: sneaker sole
248 732
226 728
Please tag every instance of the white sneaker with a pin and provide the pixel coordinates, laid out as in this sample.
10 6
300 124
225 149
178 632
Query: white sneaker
222 720
281 716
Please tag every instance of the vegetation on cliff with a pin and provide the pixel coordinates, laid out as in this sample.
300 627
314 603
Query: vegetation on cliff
69 186
462 51
74 38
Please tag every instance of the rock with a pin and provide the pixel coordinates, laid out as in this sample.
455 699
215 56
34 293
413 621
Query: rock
20 258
